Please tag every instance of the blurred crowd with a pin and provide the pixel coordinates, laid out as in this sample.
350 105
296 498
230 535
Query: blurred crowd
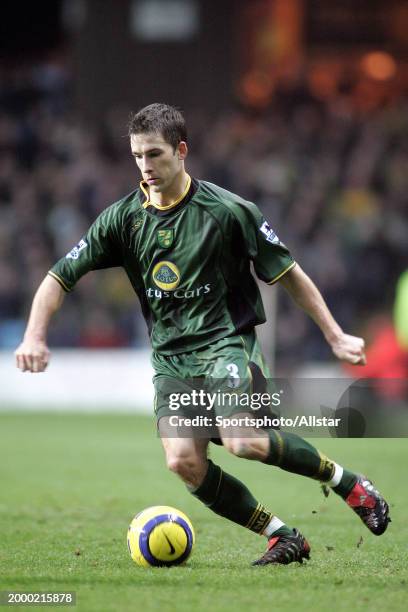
332 182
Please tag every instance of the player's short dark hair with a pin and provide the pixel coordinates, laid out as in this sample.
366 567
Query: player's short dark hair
162 119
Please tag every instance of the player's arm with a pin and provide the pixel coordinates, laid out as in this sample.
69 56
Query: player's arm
306 295
33 353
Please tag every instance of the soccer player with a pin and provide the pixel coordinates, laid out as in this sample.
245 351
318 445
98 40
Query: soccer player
186 246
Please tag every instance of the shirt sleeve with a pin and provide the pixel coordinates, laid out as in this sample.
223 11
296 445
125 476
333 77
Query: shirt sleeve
271 258
96 250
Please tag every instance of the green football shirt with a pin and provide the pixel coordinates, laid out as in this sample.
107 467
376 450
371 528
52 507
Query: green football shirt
188 264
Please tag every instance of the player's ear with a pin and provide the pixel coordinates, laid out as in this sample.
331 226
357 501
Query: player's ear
182 150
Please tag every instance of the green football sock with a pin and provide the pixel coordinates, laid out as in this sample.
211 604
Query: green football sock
294 454
230 498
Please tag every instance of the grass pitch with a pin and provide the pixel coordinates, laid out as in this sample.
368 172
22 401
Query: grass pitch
70 484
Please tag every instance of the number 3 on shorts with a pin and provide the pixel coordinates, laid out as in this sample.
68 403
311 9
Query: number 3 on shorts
233 371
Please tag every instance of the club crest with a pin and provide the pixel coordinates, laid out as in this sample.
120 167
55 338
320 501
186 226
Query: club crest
165 238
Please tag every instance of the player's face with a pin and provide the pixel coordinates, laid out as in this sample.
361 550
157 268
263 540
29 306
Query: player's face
157 161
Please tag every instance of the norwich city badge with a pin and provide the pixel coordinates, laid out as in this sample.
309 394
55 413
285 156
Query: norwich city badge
165 238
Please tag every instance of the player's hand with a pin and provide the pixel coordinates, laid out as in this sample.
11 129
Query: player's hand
32 356
350 348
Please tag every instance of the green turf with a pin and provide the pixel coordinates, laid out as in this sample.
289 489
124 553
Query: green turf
70 485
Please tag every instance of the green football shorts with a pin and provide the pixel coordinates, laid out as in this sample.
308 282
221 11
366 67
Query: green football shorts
225 378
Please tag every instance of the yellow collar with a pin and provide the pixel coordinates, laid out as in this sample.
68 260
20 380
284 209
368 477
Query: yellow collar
147 202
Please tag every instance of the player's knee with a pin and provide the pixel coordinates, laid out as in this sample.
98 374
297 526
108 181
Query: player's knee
176 463
240 447
185 466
